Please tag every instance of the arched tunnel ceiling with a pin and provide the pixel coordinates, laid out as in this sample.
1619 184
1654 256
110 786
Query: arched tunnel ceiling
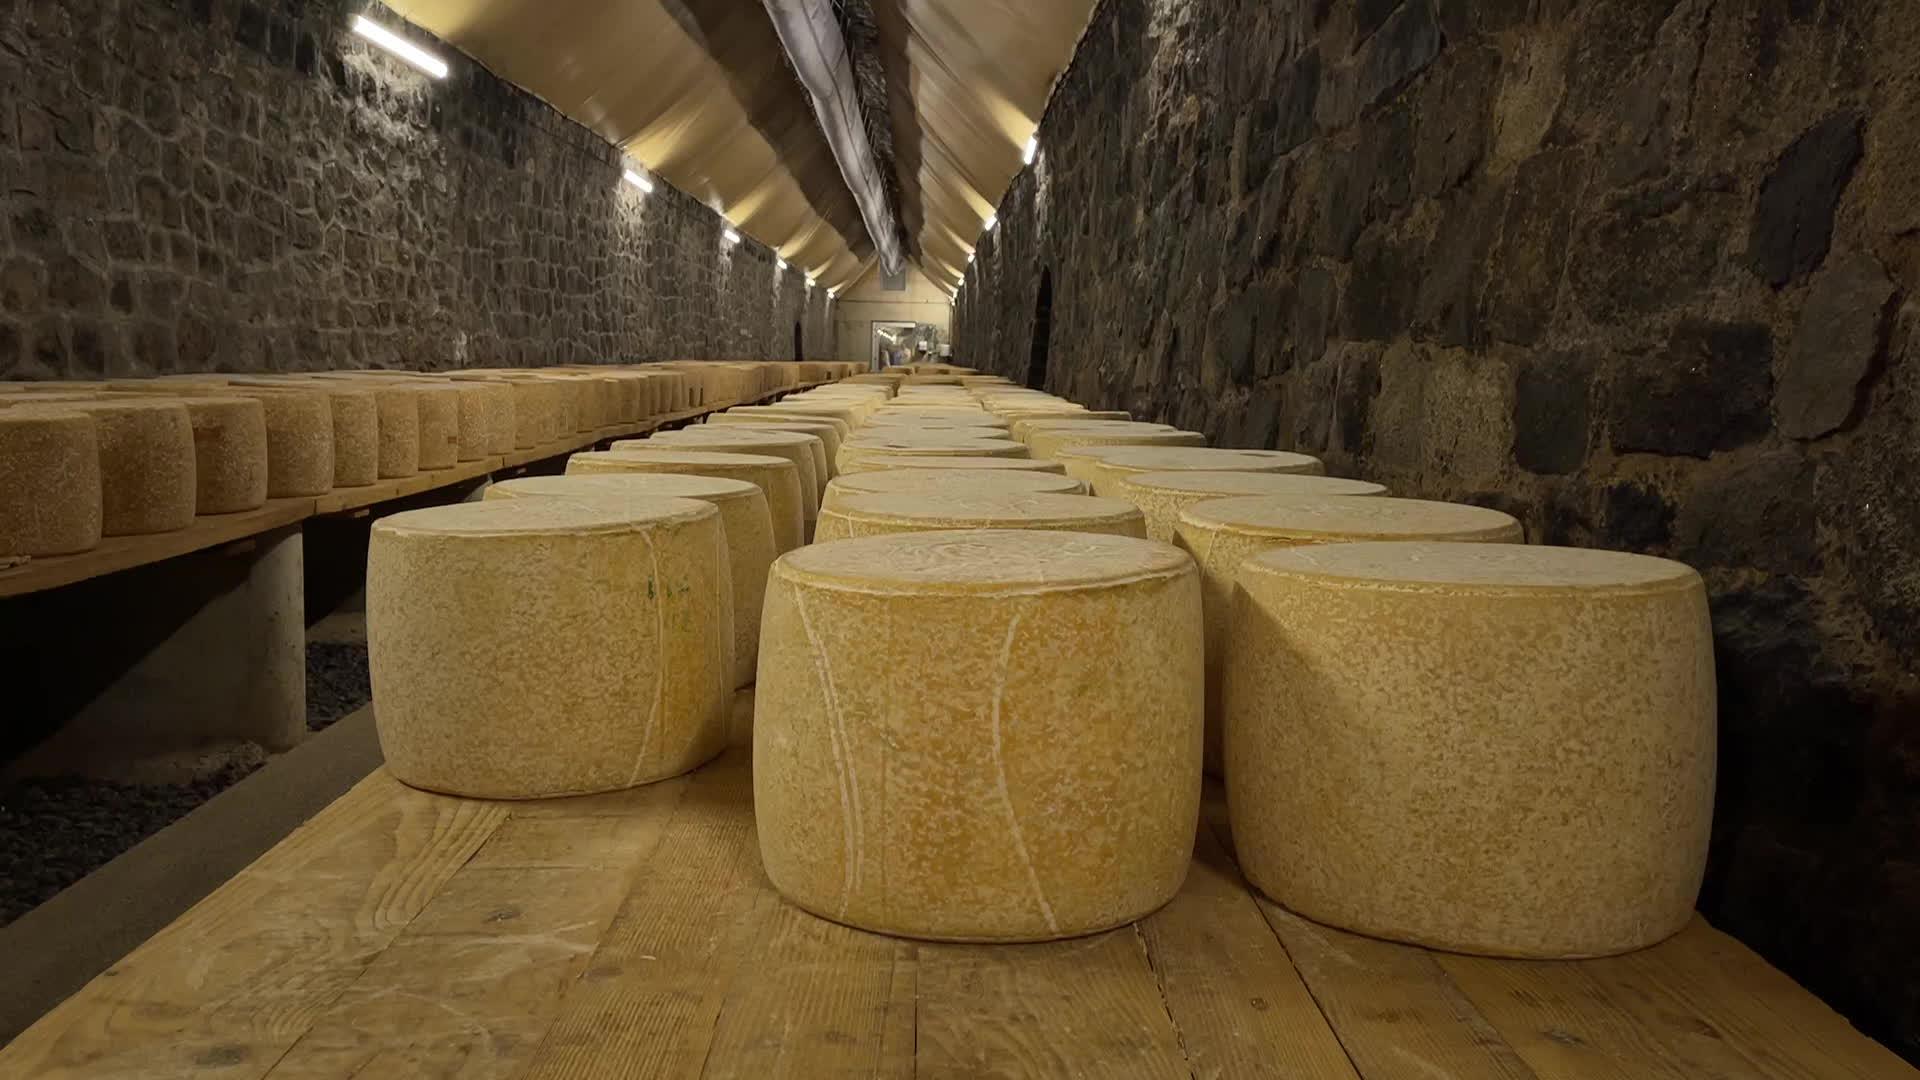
701 94
967 82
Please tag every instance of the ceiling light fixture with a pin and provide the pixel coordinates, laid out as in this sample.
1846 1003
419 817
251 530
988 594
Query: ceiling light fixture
638 181
781 261
992 220
730 236
1032 151
400 47
809 281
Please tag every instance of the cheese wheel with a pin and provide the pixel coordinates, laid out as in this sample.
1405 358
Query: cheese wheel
1103 467
882 515
399 409
356 436
50 496
1049 442
878 462
317 432
1023 427
956 481
828 434
743 517
776 477
1481 748
849 413
146 461
1161 496
754 413
482 412
439 426
527 648
230 453
1031 704
536 412
801 449
908 444
1223 533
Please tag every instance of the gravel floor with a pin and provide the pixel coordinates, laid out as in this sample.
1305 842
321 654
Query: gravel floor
336 681
55 831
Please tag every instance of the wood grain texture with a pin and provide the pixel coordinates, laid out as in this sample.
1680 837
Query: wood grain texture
229 987
634 934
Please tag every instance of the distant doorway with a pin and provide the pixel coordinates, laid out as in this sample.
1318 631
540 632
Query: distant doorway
892 343
1042 332
799 344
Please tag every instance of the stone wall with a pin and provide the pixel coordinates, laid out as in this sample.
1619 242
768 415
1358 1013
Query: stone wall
1641 272
245 186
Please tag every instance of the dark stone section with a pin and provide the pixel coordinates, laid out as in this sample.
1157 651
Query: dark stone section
1842 329
1640 273
1550 424
1707 390
248 187
1793 223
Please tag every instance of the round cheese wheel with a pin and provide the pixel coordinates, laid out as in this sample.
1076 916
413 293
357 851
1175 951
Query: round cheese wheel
743 517
794 446
1103 467
1223 533
828 434
230 453
439 425
399 408
956 481
317 433
146 461
879 462
911 444
752 413
881 515
1161 496
536 412
527 648
1492 749
979 736
778 478
50 495
484 418
1049 441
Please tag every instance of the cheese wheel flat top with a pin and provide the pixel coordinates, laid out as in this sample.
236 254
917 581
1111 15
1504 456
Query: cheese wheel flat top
894 441
902 481
982 562
108 406
1375 518
543 517
1225 484
1098 427
627 485
1196 458
938 508
960 461
724 435
1490 568
640 457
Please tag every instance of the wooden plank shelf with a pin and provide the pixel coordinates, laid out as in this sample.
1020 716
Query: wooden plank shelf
126 552
635 934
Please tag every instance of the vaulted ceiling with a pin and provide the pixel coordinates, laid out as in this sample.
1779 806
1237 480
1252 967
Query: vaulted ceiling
701 93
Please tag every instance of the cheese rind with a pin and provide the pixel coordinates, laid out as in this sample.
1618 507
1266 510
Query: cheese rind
776 477
1107 466
743 517
230 453
886 514
1223 533
959 481
1492 749
146 461
1024 800
527 648
1048 442
50 502
878 462
796 447
1162 496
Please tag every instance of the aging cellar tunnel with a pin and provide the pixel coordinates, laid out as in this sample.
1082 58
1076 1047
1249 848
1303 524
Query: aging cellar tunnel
429 432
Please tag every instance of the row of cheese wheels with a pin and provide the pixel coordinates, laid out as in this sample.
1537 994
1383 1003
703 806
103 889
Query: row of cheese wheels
1041 672
80 460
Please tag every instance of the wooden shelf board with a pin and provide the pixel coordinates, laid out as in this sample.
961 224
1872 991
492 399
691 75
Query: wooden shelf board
636 934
